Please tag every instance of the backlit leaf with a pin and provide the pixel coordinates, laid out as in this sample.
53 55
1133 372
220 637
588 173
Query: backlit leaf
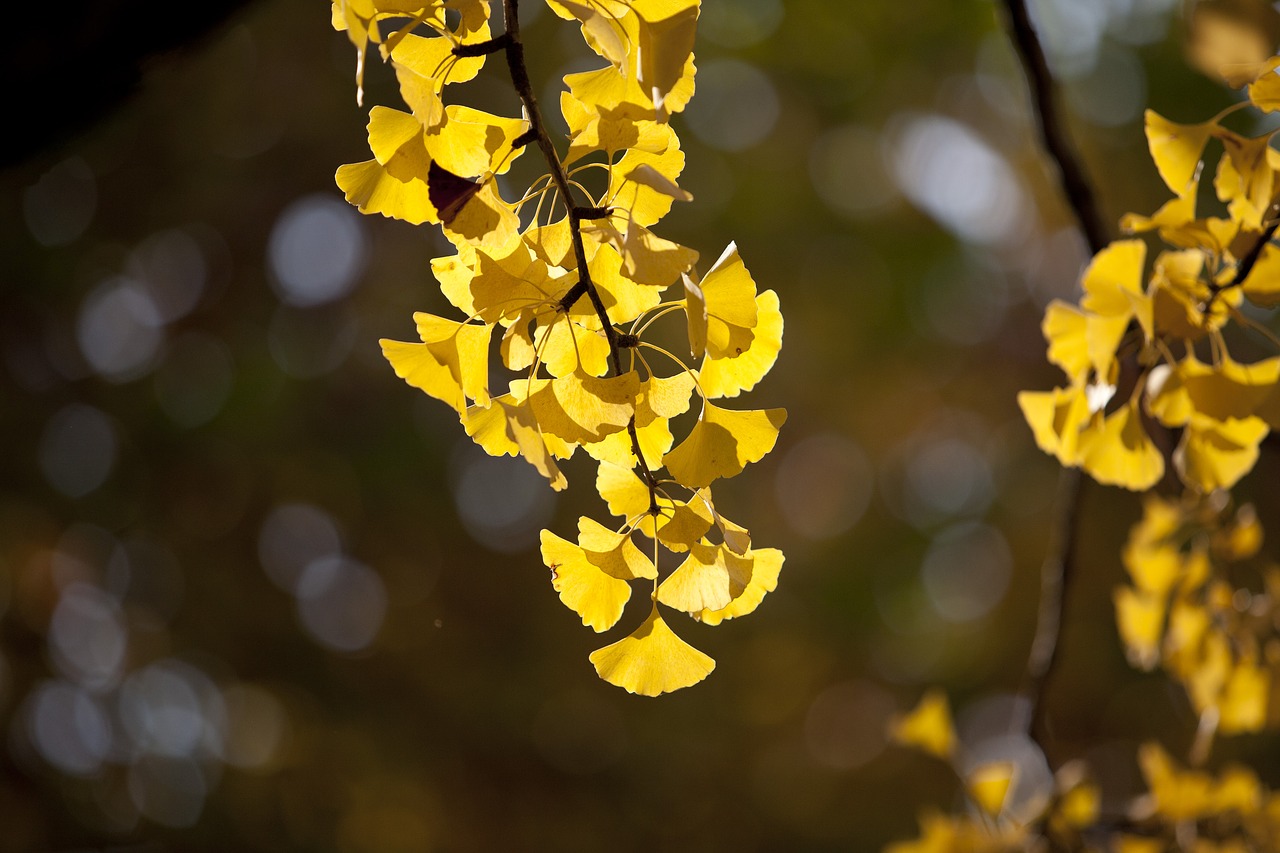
722 443
652 661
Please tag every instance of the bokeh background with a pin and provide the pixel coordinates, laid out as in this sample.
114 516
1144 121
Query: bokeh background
257 593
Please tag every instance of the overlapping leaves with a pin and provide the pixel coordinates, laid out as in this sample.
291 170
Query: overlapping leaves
565 298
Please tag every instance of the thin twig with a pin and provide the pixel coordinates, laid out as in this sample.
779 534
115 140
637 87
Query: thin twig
1058 568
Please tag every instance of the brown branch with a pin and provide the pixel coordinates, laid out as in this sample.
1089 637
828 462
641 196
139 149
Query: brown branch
1059 564
1075 184
514 49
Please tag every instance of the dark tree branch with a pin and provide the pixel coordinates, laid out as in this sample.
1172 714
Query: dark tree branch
1075 184
1059 564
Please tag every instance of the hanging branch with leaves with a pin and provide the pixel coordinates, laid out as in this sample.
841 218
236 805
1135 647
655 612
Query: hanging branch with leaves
570 278
1153 389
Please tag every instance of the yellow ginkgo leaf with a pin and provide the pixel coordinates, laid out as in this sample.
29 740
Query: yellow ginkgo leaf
451 364
1264 92
506 429
624 300
681 525
1171 216
1230 389
1140 618
664 397
1262 286
397 142
594 594
664 47
740 371
657 77
601 25
617 448
483 218
928 726
590 131
372 189
644 184
736 537
612 552
1178 795
652 661
568 344
700 583
464 347
1245 176
1056 419
1245 699
1065 328
1120 453
989 785
729 292
649 259
1176 149
625 494
722 443
1154 567
1215 454
765 566
1113 277
474 142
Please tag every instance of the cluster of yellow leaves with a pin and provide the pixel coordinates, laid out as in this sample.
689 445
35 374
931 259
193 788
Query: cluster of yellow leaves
566 297
1152 386
995 823
1183 610
1102 420
1182 810
1153 360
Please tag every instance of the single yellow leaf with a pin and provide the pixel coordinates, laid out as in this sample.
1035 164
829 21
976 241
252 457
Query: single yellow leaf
741 370
372 189
1056 419
1245 699
1264 92
1176 149
612 552
1120 453
722 443
1140 618
594 594
1065 328
451 364
989 785
765 566
1216 454
652 661
700 583
928 726
507 428
682 524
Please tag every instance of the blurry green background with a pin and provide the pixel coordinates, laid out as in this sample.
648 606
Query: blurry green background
257 593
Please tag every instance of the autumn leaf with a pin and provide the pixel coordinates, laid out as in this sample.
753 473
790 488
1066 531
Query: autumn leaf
652 661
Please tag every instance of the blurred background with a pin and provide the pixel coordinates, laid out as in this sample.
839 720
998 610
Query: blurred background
257 593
